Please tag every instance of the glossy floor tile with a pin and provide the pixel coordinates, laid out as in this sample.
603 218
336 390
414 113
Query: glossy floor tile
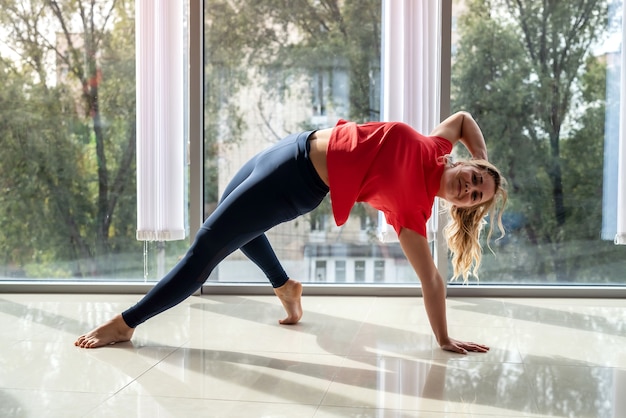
226 356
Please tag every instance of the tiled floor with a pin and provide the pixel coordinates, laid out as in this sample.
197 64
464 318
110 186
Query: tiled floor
349 357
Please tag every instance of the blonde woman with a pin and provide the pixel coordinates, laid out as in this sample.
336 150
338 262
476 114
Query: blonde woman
386 164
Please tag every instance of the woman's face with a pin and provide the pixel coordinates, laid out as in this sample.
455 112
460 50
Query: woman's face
466 186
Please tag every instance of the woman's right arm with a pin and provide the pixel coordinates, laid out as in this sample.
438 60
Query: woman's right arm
461 126
417 251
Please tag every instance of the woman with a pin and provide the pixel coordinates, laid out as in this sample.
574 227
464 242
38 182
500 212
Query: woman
388 165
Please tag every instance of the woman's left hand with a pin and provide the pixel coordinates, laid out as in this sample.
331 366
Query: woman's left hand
463 347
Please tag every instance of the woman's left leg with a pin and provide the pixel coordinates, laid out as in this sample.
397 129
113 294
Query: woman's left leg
310 191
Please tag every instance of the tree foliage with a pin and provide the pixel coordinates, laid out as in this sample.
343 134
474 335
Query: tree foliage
72 135
528 71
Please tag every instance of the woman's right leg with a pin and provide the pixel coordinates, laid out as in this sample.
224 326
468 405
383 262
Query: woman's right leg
220 235
260 251
269 193
213 242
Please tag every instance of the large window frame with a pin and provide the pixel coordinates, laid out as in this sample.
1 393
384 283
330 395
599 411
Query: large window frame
196 111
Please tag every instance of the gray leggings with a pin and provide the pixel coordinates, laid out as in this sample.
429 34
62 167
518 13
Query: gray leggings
277 185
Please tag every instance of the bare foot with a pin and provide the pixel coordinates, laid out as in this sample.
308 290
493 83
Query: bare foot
111 332
290 295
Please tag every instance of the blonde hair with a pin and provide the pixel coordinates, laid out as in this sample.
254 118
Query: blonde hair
466 224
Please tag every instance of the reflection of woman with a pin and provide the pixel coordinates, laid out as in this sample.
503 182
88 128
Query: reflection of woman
388 165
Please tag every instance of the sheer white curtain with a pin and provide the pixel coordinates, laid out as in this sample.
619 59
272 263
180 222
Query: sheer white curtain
160 128
411 74
620 237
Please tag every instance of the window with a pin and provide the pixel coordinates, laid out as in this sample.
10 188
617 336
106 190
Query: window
289 69
379 271
68 153
551 132
67 162
320 271
359 271
340 271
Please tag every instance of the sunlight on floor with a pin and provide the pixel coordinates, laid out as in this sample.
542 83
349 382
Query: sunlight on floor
349 357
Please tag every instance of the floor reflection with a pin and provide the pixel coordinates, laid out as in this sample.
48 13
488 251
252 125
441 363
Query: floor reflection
349 357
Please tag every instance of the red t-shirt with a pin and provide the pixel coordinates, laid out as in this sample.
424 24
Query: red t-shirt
388 165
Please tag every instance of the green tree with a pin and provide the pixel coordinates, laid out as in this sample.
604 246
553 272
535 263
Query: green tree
583 157
78 133
521 76
331 34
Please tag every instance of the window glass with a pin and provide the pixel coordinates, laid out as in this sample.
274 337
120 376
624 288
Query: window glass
359 271
379 270
546 93
320 270
340 271
67 161
284 70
